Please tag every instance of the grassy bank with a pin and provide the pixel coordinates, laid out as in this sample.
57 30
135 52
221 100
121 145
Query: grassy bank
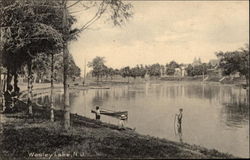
23 136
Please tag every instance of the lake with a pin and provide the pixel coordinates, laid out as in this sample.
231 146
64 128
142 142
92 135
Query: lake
214 116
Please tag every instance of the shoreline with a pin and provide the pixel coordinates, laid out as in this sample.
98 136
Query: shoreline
36 137
45 87
107 84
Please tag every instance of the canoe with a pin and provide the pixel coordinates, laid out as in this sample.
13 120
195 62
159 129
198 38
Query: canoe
99 88
112 113
109 113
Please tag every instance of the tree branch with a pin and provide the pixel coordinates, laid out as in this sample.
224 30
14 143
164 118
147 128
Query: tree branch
98 14
74 4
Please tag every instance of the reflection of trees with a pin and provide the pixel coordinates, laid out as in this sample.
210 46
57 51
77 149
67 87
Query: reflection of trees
235 106
106 95
98 98
235 114
202 91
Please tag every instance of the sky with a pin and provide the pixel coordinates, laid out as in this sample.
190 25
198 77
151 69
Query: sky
162 31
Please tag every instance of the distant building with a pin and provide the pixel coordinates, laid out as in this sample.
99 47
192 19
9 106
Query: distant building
235 75
181 71
163 71
147 76
214 62
214 72
196 62
177 72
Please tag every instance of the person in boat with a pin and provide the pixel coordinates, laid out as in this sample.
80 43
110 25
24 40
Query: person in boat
97 113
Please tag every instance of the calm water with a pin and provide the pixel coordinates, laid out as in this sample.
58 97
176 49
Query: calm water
214 116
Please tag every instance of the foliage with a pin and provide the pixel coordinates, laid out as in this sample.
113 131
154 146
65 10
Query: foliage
154 70
42 67
31 27
197 70
125 72
235 61
97 64
171 67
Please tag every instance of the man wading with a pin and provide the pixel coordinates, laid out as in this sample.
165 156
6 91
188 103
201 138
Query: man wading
179 121
179 118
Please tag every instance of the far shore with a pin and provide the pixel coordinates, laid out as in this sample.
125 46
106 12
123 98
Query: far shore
106 84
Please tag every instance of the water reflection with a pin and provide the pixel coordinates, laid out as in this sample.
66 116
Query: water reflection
180 133
216 116
235 114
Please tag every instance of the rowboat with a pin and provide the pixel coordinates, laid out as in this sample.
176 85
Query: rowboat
111 113
99 88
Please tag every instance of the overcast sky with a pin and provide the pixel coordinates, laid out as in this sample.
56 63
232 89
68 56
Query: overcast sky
162 31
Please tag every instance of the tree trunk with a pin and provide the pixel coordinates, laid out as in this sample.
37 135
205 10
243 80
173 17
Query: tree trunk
1 89
52 89
16 88
65 69
66 89
247 80
4 83
97 79
9 77
30 87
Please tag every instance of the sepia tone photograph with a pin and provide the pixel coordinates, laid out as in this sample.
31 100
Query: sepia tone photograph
124 79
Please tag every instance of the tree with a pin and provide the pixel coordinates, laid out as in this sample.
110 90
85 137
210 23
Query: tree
154 70
189 70
197 70
119 13
42 67
111 72
125 72
29 28
235 61
171 67
97 65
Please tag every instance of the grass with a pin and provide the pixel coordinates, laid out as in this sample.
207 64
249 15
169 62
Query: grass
25 137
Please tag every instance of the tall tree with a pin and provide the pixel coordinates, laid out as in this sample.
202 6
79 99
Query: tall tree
126 72
235 61
171 67
97 65
155 70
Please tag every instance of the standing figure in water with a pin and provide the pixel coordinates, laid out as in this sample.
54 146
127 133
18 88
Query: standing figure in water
179 122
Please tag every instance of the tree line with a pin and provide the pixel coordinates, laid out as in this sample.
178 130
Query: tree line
100 70
229 63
